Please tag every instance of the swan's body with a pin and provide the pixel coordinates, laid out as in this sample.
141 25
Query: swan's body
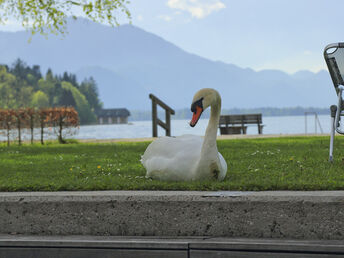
189 157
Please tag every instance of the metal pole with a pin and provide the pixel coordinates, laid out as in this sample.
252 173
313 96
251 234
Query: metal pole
332 139
333 109
315 122
321 130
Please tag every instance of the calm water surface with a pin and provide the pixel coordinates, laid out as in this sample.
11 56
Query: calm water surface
141 129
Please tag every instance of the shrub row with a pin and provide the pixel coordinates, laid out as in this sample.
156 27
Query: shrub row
58 118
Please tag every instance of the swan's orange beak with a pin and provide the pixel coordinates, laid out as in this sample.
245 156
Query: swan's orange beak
196 115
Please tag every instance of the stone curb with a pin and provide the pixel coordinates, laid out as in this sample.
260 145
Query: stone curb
123 247
280 214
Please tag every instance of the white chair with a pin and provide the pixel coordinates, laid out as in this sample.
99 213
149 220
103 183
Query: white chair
334 57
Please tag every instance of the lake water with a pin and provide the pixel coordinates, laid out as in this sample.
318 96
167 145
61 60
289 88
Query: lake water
142 129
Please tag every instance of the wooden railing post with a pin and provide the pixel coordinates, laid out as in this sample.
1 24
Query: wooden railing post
156 121
168 123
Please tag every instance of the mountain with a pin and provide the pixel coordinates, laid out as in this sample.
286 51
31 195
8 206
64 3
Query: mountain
128 63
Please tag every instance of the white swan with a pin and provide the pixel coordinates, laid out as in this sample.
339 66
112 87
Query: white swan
189 157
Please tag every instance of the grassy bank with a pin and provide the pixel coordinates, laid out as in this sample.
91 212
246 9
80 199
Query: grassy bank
299 163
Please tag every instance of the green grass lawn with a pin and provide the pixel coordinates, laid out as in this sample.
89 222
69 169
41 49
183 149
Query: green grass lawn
293 163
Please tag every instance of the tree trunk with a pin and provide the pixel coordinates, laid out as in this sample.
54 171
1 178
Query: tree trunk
19 135
42 132
8 135
60 131
31 126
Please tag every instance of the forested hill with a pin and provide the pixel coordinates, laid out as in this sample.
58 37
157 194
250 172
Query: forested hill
25 86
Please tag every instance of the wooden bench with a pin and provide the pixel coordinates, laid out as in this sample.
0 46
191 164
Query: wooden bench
237 124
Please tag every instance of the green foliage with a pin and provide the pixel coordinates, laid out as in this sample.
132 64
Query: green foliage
7 92
23 86
50 16
40 100
89 88
81 104
291 163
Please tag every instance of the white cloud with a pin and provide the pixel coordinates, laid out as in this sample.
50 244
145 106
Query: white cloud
165 17
197 8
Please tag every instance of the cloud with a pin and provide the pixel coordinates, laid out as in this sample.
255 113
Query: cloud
165 17
197 8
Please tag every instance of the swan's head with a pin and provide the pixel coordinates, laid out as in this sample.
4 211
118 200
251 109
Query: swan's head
201 101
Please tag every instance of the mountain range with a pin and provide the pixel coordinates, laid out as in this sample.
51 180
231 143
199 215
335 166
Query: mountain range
128 63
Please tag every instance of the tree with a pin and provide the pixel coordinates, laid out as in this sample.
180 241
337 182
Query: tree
44 118
67 98
82 106
62 118
40 100
49 16
7 91
20 118
7 120
19 69
69 77
90 90
47 85
31 118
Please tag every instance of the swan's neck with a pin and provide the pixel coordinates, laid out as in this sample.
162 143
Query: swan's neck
209 147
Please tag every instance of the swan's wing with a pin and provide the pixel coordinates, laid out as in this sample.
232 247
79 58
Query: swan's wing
169 147
169 158
223 169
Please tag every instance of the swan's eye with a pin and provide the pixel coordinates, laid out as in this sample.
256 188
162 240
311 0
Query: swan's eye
198 103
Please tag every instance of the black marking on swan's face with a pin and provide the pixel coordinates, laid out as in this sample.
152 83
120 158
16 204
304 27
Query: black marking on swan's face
198 103
197 110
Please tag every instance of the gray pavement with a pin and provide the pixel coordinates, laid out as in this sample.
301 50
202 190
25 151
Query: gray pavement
138 247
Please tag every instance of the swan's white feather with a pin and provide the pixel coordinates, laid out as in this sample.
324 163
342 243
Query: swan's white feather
176 158
172 158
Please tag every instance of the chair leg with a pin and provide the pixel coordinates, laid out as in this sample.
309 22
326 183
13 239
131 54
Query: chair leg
333 130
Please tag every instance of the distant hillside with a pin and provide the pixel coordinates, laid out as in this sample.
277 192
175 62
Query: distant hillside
128 63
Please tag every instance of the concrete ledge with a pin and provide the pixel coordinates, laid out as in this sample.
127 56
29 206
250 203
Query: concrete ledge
103 247
280 214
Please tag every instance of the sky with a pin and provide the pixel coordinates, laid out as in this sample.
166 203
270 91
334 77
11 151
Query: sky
287 35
